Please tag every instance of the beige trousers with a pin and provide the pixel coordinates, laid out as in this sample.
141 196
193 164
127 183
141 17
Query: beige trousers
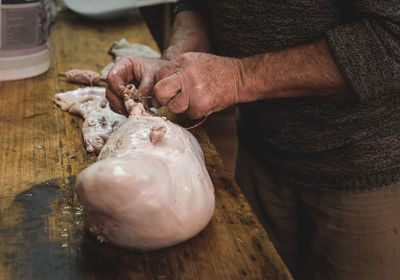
324 234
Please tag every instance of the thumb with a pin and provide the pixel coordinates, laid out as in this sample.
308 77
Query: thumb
167 88
120 75
115 102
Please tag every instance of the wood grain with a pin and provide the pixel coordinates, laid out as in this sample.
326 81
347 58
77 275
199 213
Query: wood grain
41 152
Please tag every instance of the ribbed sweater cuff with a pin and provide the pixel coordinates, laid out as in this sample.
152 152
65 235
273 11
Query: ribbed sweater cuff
362 53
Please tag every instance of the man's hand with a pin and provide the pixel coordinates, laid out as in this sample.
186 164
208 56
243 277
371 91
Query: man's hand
131 70
198 83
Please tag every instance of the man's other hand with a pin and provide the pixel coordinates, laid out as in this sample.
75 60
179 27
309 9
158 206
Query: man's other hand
198 83
139 71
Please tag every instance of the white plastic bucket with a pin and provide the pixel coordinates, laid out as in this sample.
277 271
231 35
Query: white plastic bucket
24 36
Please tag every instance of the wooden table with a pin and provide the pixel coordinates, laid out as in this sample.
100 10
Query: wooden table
41 152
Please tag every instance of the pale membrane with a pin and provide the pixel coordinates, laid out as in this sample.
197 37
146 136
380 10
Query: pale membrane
150 188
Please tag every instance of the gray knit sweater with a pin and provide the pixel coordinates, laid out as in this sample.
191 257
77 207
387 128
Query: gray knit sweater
349 144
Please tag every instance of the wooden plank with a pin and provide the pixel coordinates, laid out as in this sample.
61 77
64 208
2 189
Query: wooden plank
41 152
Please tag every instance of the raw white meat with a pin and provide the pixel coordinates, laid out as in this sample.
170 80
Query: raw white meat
99 121
150 188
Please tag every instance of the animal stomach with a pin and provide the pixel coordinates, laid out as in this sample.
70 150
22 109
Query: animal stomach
150 188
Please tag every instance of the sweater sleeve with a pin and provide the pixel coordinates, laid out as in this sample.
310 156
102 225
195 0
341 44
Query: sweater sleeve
190 5
367 50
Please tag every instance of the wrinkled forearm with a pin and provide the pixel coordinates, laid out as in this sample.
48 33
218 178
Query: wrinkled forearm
190 33
307 70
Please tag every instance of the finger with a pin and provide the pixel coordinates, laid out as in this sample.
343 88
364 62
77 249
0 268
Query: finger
146 85
115 102
166 70
179 103
193 112
120 75
167 88
155 103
